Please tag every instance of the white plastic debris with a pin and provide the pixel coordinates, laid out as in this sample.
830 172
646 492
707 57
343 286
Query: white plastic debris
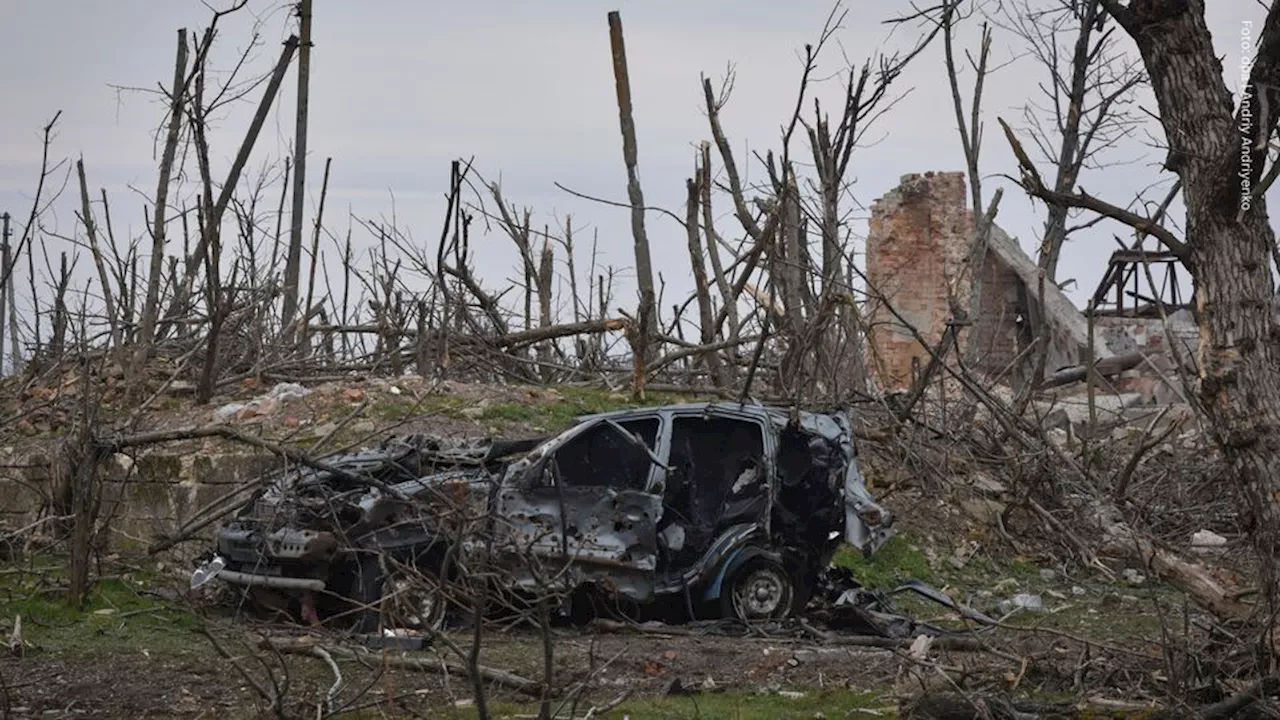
226 412
1022 601
207 572
264 404
285 391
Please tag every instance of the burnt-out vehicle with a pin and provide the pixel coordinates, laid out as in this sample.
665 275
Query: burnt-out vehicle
720 507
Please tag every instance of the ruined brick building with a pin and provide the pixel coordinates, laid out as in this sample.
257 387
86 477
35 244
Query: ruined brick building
917 267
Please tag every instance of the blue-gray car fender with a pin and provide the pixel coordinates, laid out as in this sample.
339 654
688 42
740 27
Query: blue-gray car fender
731 563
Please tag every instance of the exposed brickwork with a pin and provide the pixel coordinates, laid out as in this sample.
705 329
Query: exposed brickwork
917 249
907 262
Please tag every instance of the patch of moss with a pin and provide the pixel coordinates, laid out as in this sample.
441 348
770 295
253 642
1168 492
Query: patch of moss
393 411
897 560
573 402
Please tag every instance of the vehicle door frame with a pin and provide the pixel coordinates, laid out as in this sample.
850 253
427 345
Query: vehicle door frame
624 563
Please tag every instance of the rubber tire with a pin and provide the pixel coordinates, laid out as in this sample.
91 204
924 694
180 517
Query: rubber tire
370 587
743 573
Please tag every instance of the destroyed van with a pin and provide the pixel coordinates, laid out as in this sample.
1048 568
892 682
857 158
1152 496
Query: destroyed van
725 508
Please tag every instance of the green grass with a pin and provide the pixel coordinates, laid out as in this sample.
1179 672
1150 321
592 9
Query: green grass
831 703
557 415
897 560
118 615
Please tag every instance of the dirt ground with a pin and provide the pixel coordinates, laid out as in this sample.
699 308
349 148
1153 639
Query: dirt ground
142 649
139 683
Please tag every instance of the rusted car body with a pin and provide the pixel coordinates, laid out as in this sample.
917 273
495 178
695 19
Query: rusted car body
737 508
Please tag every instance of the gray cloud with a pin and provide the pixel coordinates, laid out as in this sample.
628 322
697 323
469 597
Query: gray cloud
401 87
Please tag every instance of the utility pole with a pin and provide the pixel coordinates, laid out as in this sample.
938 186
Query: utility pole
293 261
5 273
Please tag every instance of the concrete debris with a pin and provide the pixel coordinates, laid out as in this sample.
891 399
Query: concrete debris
1203 540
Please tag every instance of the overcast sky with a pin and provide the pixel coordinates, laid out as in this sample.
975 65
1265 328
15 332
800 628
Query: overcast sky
401 87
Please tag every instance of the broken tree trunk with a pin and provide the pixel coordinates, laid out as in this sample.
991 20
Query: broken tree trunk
1193 578
1106 367
640 338
546 273
706 320
91 234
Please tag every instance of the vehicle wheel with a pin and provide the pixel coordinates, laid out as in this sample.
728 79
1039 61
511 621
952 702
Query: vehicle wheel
400 596
760 589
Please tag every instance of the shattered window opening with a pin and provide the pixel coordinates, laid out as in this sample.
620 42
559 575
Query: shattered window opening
717 479
601 457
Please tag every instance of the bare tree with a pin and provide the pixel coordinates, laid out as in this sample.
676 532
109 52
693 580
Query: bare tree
1218 150
1086 101
151 306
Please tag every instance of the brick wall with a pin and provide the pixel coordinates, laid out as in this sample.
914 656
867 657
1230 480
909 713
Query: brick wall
917 249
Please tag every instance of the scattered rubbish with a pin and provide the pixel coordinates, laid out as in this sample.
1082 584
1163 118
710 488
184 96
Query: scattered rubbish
1048 575
1022 601
791 694
1133 577
844 605
386 641
226 412
920 647
264 404
675 687
207 571
1077 590
16 644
